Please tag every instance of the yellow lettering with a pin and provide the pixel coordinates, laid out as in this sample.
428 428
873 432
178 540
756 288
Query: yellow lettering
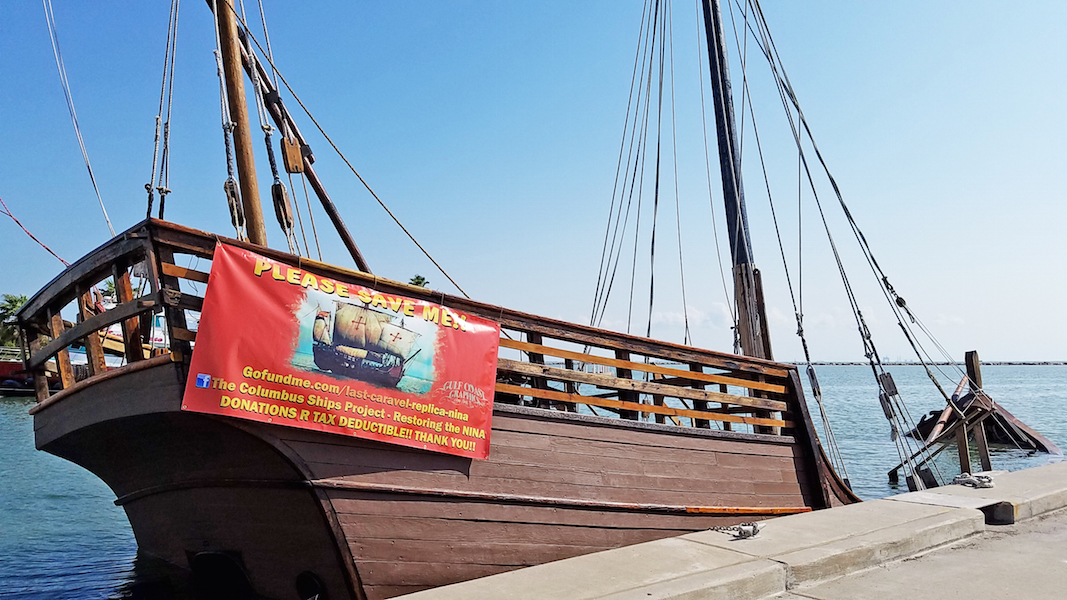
261 266
276 272
326 286
378 300
408 309
364 296
309 280
446 318
430 313
342 290
293 276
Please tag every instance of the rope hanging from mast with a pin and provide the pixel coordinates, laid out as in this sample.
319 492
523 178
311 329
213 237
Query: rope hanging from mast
229 187
53 35
166 96
283 209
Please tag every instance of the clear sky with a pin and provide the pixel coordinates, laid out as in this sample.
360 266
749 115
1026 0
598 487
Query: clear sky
492 130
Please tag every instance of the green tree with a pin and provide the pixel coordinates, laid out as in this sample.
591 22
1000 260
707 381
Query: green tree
419 280
9 305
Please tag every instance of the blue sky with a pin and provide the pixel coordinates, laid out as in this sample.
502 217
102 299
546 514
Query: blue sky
492 130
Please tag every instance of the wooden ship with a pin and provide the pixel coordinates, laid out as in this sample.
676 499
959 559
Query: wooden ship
682 438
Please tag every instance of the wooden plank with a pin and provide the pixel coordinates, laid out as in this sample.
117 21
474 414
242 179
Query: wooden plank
607 381
90 326
91 268
66 372
94 348
962 448
131 331
643 367
636 407
173 270
983 447
179 333
119 372
175 315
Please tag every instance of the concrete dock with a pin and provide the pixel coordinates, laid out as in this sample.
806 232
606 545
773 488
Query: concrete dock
948 542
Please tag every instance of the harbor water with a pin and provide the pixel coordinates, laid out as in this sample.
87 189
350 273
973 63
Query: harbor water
61 535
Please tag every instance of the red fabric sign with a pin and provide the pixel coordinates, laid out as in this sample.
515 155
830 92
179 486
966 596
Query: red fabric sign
277 344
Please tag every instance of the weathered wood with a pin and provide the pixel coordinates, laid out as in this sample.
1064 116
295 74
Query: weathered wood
974 370
635 406
692 374
177 271
180 333
175 315
94 349
89 328
66 372
113 373
88 270
242 127
131 331
983 447
962 448
631 385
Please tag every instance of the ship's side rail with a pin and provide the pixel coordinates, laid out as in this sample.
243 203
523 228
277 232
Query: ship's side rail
159 268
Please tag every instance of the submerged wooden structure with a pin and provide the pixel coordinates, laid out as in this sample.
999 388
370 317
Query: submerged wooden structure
373 520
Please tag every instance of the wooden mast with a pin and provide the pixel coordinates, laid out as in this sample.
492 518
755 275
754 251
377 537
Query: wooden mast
748 289
242 134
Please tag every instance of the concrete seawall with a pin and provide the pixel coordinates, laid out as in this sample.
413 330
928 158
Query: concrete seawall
790 554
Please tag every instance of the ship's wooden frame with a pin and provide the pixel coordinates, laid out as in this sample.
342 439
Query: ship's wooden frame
373 520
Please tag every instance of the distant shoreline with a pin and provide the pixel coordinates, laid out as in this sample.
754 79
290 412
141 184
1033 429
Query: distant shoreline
992 363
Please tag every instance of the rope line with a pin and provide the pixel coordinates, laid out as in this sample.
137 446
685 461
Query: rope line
53 35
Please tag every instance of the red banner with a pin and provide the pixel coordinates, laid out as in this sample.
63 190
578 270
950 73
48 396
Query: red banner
277 344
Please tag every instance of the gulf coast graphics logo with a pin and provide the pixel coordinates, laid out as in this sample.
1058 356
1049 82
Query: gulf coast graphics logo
203 380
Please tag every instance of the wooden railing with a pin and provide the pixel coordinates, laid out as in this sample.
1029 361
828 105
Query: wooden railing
543 363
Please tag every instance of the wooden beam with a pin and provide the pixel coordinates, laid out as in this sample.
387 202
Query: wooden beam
131 330
692 374
66 372
242 127
94 348
630 385
90 327
183 273
964 449
635 406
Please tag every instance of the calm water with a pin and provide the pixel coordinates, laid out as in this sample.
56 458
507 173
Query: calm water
61 536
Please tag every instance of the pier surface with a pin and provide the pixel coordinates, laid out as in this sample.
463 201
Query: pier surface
953 541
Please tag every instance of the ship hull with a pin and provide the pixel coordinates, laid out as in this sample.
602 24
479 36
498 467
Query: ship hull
372 520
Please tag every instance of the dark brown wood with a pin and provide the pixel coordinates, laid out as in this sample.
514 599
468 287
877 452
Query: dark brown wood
242 127
62 356
974 370
176 271
90 328
983 447
963 449
169 273
94 349
131 329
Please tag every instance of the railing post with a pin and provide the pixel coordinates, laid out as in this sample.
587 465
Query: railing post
66 373
94 349
131 330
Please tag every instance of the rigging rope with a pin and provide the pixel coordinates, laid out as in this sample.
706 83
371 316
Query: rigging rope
233 198
51 20
344 158
166 96
7 211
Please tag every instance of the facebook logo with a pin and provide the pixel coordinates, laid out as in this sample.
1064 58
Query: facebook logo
203 380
